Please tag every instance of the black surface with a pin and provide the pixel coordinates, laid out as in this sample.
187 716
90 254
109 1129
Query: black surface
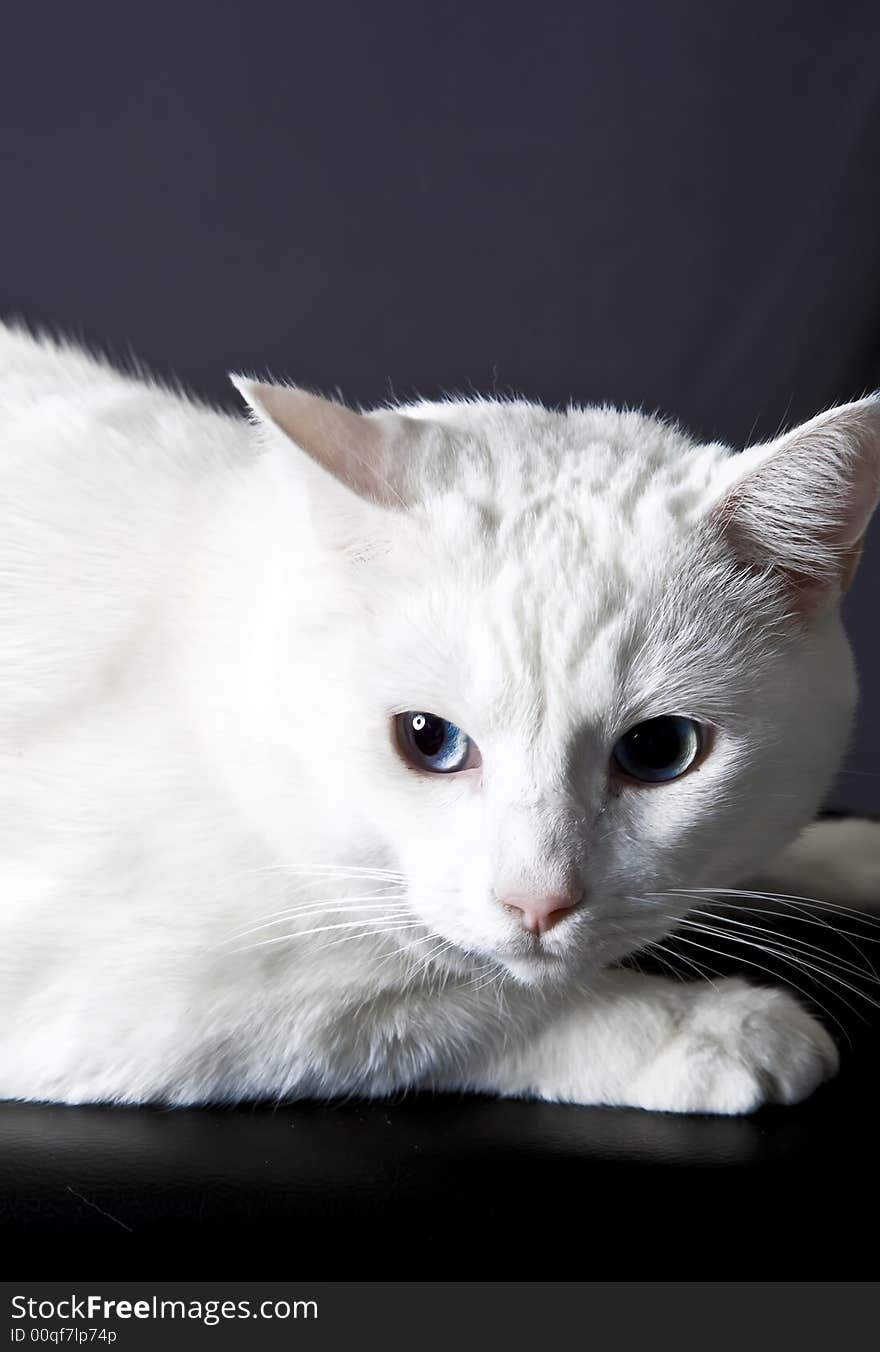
442 1189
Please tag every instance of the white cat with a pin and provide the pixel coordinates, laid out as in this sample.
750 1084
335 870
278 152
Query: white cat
347 753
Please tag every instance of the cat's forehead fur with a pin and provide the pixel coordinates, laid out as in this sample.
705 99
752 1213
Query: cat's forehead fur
537 493
519 457
550 541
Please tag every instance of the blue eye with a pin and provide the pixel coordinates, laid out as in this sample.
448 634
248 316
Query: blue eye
434 744
659 749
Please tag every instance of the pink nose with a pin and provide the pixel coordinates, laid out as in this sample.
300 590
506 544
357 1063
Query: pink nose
537 914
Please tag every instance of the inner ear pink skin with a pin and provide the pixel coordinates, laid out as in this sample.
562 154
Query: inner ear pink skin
804 504
368 454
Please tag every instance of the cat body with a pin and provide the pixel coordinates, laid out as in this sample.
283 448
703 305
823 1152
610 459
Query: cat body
224 876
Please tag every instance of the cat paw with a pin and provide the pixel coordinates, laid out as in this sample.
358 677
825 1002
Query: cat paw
737 1047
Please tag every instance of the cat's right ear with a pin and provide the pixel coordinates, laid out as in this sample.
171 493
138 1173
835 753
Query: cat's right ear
800 505
367 454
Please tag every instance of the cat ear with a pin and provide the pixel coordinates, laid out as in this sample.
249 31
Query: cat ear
801 504
367 452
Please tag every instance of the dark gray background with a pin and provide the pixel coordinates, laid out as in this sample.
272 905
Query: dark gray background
674 205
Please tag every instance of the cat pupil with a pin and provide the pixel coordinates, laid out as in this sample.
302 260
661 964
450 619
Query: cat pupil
658 749
429 742
656 744
429 733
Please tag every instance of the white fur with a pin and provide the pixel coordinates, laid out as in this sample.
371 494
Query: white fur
204 636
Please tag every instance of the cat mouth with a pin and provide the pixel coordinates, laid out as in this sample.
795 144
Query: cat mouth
534 965
530 961
534 948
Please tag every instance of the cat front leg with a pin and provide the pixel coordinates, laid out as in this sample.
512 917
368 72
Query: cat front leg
646 1042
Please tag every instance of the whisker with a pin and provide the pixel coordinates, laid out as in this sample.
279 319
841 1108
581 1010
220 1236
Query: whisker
793 959
315 867
406 948
355 872
319 908
776 896
443 946
777 947
849 936
788 940
769 972
789 943
801 909
656 950
373 934
326 929
481 981
656 946
498 980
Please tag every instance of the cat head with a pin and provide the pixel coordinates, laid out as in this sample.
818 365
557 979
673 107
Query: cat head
559 666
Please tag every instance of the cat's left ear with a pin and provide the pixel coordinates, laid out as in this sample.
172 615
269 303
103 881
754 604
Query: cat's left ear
800 505
367 453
